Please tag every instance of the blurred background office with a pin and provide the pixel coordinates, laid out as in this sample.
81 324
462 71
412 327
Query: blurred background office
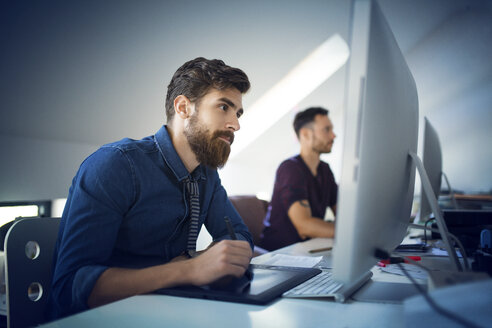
78 74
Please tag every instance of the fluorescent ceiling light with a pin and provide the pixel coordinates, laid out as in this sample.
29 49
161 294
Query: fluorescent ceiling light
303 79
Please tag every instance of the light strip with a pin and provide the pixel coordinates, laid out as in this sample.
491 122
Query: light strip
303 79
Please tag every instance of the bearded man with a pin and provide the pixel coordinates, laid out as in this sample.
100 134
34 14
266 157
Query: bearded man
135 206
304 186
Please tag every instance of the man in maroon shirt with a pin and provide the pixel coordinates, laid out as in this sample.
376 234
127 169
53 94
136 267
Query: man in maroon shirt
304 186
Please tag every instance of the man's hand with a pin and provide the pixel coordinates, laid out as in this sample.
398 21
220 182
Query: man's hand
226 258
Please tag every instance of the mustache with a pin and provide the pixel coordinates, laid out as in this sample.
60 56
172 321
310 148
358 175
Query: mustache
227 134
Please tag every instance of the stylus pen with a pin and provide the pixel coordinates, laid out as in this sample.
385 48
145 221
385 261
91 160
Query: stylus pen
230 228
321 250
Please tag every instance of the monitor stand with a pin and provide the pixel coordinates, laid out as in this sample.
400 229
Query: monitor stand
388 292
441 224
385 292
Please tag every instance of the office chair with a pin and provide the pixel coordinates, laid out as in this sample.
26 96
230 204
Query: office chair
29 246
252 210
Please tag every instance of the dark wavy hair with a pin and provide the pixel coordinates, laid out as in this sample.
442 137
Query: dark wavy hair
195 77
307 116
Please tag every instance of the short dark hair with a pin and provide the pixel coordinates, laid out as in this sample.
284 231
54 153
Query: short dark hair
195 77
307 116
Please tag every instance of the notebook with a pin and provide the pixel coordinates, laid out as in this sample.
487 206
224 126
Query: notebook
268 283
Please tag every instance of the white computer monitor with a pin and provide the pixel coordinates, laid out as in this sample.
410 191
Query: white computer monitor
432 160
430 170
381 129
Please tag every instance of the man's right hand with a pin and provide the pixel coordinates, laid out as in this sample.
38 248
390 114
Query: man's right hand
226 258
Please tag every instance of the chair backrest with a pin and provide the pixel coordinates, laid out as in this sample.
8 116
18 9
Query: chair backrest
29 246
252 210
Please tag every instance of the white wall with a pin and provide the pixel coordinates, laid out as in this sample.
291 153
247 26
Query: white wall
95 72
453 73
34 169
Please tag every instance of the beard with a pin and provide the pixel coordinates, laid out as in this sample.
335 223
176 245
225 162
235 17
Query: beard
322 148
208 148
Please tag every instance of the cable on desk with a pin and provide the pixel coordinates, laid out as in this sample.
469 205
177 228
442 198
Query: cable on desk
434 305
381 254
409 259
425 229
455 239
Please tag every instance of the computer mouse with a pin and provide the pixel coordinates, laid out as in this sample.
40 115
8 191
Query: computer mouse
234 284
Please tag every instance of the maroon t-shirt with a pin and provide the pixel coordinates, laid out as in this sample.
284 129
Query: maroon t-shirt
293 182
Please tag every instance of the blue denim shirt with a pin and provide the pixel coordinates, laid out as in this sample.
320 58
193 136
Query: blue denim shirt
127 207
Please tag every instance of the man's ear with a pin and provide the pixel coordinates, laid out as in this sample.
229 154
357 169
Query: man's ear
182 106
305 133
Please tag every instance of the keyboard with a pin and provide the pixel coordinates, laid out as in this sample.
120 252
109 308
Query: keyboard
321 285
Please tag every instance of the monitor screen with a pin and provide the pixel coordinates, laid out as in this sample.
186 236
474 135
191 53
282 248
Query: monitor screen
381 128
432 160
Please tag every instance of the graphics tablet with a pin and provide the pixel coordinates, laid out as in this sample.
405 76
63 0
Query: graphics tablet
268 283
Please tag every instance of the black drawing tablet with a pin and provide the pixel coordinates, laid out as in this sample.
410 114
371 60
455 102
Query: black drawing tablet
268 283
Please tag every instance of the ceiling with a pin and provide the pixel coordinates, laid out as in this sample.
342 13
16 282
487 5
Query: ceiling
91 72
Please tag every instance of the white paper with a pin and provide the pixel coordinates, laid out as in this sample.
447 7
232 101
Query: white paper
442 252
413 270
293 261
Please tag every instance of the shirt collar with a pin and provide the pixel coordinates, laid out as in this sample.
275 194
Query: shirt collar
318 168
172 159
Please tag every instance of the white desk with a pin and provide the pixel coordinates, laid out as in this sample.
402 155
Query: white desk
167 311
